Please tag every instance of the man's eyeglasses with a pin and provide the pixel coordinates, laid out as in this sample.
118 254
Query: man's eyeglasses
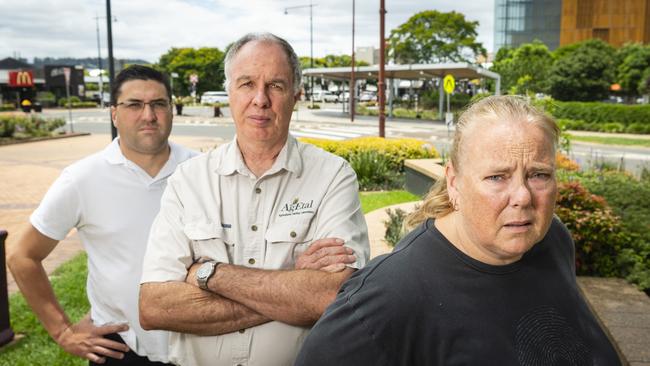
136 107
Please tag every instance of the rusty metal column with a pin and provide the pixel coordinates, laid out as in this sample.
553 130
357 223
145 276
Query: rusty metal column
382 77
6 334
352 87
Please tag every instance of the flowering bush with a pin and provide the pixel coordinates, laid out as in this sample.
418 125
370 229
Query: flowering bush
598 233
394 150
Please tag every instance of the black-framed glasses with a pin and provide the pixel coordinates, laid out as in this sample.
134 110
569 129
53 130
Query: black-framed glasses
136 106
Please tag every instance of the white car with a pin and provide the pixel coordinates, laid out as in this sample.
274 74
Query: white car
325 96
210 97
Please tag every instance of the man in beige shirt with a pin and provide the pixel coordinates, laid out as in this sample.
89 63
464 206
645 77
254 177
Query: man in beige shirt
253 239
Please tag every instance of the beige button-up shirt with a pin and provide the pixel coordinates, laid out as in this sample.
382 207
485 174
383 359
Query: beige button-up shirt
215 208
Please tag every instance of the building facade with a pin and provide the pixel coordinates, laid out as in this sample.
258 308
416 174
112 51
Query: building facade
523 21
615 22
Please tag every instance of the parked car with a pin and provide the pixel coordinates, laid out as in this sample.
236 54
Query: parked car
210 97
325 96
367 96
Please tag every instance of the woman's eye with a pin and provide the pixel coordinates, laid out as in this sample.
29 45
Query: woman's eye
495 178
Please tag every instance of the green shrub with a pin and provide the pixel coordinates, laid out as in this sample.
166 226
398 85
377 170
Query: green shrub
7 126
84 105
63 102
597 112
314 106
612 127
7 107
396 150
570 124
46 98
28 126
596 230
639 128
394 226
373 171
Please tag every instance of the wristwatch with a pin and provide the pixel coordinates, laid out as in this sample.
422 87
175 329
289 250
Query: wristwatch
204 273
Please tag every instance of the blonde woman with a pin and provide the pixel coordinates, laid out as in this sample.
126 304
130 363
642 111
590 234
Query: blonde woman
487 275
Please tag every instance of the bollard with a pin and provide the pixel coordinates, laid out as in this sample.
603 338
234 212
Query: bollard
6 334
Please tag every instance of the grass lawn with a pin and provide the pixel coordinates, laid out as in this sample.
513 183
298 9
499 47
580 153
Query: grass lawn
37 348
69 282
371 201
613 140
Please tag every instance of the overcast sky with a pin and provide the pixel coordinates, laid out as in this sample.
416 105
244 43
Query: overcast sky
146 29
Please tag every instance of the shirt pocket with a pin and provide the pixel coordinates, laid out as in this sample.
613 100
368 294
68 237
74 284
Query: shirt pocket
209 241
287 241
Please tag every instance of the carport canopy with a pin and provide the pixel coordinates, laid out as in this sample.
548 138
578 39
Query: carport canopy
408 72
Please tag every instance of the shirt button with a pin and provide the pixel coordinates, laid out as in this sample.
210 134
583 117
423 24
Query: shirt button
258 190
254 227
251 261
292 234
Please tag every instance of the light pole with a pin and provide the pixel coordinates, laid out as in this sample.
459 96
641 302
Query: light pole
99 62
311 43
111 64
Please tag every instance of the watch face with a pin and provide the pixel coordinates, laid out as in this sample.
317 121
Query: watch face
204 270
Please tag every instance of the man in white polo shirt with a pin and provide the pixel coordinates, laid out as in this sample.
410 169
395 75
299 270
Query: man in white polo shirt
111 198
254 239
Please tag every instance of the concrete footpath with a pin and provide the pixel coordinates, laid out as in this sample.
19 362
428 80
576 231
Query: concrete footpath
27 170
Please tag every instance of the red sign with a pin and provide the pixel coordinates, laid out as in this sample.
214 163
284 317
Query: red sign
21 78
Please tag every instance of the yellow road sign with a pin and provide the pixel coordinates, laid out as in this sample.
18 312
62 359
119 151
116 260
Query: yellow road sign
449 84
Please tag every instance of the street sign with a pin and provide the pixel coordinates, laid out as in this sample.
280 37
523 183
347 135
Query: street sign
449 83
174 74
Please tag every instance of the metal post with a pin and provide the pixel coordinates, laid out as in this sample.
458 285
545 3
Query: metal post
111 65
352 88
6 333
99 64
380 83
441 99
311 51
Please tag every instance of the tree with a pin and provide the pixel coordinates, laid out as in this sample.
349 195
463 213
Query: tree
330 61
205 62
432 36
525 69
634 61
583 73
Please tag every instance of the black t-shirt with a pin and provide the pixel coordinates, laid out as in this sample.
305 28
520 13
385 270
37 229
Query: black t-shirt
427 303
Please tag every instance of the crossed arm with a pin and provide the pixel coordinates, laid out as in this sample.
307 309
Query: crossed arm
241 297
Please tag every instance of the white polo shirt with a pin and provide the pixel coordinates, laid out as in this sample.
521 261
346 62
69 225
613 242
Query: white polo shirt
111 202
215 208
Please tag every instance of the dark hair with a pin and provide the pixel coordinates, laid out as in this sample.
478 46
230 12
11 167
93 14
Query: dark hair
138 72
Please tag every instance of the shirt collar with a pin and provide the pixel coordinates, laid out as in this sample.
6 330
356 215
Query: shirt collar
289 159
114 156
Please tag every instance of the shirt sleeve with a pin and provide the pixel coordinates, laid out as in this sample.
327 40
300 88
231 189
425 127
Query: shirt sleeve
340 215
60 209
343 335
169 252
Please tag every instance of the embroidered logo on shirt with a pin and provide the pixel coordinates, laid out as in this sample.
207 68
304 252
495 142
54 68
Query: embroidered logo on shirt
297 207
226 226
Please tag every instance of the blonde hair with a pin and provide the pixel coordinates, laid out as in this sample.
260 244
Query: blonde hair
506 108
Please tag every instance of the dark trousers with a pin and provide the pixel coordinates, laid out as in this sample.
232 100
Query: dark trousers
130 358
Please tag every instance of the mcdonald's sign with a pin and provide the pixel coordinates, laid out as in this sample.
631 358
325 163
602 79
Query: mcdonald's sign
21 78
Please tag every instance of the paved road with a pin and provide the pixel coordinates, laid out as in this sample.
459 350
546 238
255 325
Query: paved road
331 123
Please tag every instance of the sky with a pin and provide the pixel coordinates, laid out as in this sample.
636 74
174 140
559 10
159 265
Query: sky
146 29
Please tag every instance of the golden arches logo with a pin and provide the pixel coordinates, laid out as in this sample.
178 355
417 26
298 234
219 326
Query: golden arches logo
23 78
